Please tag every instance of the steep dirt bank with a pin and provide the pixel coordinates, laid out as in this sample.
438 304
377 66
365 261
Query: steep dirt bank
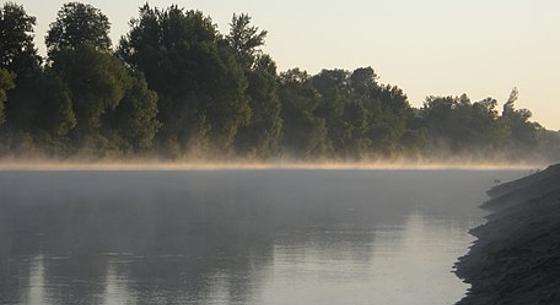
516 259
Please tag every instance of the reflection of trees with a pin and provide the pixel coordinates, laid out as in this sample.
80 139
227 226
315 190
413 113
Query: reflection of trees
10 282
167 243
176 237
16 240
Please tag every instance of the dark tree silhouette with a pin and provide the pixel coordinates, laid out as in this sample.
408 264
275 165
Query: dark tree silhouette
6 83
176 86
78 24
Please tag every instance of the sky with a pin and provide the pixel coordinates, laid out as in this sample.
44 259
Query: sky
426 47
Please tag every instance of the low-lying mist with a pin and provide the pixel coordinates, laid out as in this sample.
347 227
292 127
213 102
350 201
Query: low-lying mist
42 164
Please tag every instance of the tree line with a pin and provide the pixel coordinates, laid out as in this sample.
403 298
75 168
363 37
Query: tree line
174 86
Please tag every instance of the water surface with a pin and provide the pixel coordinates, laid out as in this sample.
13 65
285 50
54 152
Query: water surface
237 237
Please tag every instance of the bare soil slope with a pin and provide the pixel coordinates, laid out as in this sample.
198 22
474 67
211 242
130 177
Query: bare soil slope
516 259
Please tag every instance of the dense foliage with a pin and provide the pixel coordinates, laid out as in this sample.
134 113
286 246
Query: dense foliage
175 86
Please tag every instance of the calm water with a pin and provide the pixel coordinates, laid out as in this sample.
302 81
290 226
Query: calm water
237 237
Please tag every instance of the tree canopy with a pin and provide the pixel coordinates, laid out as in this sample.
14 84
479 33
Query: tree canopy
6 84
175 86
78 24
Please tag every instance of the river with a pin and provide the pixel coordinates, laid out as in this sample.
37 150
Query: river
262 237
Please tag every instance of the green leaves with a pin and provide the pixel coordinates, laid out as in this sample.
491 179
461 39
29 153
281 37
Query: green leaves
466 127
362 116
77 25
177 86
245 39
304 132
134 118
261 136
97 82
200 83
16 40
6 83
56 114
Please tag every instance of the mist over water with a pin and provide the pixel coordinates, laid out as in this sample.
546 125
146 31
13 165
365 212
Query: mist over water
292 236
206 164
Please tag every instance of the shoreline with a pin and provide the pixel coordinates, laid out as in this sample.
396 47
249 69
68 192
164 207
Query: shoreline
516 257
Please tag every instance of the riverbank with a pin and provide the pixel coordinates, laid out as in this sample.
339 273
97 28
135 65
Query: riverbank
516 259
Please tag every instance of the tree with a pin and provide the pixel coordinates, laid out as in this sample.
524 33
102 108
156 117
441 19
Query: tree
177 85
509 105
363 80
135 117
77 25
97 82
446 119
525 136
261 136
304 133
55 116
195 73
389 113
17 51
334 90
490 132
19 57
361 115
78 45
6 83
477 129
245 39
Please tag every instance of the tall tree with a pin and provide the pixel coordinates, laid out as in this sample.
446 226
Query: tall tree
245 39
445 118
78 24
97 82
304 133
200 84
19 56
79 46
17 50
525 136
334 90
389 126
55 111
261 136
135 118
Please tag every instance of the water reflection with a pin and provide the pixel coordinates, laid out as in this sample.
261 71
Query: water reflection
236 237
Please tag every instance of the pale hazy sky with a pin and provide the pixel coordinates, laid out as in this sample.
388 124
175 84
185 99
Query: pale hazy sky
426 47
